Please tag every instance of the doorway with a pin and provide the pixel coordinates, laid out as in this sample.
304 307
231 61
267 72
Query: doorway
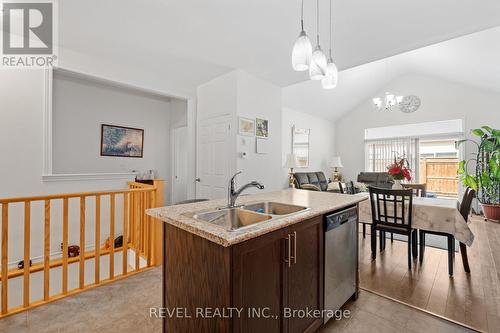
180 164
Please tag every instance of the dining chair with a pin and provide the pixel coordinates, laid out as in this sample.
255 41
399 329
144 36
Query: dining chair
392 212
347 188
464 209
420 190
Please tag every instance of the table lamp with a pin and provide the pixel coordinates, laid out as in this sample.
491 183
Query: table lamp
291 162
336 164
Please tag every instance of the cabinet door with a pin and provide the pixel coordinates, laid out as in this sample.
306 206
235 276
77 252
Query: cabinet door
304 278
258 268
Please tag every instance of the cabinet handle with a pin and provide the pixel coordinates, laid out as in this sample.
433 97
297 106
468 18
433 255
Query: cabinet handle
288 246
294 257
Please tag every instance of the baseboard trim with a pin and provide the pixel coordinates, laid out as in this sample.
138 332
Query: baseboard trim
422 310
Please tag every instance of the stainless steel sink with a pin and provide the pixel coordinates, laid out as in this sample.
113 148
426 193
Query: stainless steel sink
274 208
232 219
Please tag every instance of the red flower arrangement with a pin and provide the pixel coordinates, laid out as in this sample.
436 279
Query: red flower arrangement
399 170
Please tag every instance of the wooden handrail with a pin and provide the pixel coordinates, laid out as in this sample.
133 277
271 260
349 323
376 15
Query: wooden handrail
141 235
74 195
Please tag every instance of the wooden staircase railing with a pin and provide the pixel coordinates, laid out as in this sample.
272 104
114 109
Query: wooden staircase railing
142 238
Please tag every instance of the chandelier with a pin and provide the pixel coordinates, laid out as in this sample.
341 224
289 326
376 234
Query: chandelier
387 102
315 61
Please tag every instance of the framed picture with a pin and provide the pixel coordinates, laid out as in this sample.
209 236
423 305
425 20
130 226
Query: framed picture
262 128
121 141
246 126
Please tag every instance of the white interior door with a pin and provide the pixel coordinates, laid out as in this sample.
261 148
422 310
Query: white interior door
180 166
214 157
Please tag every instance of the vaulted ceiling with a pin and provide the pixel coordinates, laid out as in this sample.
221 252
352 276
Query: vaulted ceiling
196 40
472 60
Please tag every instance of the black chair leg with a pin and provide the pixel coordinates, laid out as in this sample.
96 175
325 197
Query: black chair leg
414 243
382 240
451 254
373 237
364 230
422 245
392 237
410 245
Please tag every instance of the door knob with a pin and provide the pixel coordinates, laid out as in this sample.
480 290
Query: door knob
198 180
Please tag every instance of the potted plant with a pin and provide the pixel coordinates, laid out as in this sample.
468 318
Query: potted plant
399 170
486 177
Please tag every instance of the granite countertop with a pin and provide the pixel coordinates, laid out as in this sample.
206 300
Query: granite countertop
319 202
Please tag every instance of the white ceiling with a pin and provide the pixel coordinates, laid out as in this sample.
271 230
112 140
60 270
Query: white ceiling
472 60
203 39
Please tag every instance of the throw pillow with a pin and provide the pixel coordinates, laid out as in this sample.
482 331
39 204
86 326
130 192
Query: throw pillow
310 187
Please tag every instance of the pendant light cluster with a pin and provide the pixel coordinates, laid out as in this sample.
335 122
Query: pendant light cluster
304 58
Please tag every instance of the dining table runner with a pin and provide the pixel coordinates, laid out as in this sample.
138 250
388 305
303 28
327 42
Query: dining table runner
433 214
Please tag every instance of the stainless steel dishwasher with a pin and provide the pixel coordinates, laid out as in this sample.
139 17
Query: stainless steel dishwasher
340 258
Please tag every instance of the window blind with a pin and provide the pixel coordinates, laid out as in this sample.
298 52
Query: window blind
380 154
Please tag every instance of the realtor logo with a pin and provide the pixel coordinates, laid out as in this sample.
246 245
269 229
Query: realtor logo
28 34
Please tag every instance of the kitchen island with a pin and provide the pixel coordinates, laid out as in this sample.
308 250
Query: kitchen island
267 276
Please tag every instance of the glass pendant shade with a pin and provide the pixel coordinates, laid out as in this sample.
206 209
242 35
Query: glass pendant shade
317 68
332 76
302 52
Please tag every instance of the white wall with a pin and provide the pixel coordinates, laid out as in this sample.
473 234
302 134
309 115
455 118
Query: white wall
239 94
257 98
81 105
321 139
441 100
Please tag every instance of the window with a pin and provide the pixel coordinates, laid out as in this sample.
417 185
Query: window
380 153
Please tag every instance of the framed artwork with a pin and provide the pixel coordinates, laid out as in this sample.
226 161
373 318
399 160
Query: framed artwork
121 141
300 146
246 126
262 128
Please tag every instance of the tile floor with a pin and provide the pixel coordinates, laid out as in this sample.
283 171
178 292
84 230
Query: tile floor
124 307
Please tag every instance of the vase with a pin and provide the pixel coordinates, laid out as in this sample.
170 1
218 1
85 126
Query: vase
491 212
397 185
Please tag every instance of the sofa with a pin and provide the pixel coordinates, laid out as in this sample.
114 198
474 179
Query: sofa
316 179
376 179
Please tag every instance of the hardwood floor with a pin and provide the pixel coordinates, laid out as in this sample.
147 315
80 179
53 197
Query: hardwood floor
472 299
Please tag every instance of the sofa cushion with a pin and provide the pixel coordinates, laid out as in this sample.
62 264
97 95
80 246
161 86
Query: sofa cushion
310 187
323 183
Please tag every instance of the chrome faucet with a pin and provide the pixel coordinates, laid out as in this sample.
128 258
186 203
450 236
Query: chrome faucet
233 194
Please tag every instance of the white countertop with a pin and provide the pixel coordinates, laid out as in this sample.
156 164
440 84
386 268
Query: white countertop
319 202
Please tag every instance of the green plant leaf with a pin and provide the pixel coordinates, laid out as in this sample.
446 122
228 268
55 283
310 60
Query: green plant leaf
478 132
459 142
470 182
485 180
489 146
461 168
488 129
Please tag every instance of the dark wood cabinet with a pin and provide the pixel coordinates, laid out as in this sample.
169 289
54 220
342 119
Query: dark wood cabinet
304 278
263 276
258 273
280 273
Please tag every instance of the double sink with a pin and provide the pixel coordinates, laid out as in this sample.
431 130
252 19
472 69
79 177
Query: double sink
233 219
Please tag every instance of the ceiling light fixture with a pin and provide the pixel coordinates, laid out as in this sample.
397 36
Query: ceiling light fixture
387 102
317 68
332 73
302 49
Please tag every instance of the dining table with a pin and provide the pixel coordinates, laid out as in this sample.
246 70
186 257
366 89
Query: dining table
432 214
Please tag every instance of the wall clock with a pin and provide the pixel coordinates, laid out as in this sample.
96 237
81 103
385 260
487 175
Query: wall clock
409 104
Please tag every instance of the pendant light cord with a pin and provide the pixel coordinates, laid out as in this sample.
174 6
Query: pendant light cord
302 16
331 42
317 22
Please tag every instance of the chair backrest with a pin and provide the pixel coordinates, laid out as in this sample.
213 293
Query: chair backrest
466 203
347 188
420 190
391 207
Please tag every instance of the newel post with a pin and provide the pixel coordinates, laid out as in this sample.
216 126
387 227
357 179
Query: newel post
157 239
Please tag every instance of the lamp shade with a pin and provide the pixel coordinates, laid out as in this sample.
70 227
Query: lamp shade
332 75
336 162
302 52
291 161
317 68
